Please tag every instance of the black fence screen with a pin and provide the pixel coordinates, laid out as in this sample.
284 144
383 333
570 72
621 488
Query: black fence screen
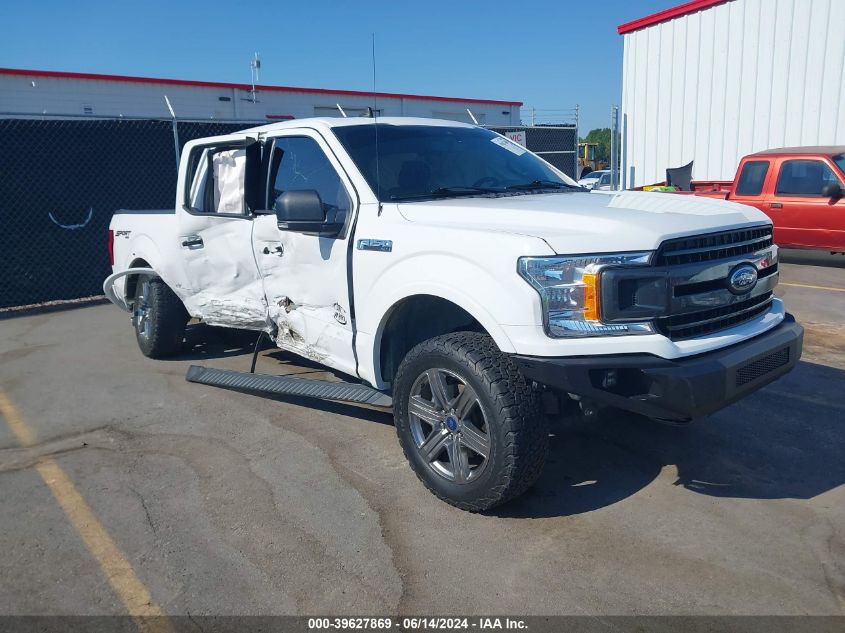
60 183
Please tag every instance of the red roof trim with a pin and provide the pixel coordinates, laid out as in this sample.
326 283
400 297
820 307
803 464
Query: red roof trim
219 84
668 14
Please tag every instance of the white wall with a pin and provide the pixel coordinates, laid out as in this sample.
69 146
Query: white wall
733 79
54 95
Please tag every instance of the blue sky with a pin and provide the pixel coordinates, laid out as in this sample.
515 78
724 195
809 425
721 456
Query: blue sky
550 55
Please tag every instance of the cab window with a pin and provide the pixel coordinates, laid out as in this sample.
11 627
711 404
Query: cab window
804 177
217 176
752 178
299 164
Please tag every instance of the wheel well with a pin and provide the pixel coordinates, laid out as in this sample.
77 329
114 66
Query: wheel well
132 280
417 319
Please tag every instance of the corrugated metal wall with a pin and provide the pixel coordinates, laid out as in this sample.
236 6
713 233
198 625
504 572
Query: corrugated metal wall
737 78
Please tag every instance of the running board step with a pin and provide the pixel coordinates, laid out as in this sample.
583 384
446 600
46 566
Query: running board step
288 386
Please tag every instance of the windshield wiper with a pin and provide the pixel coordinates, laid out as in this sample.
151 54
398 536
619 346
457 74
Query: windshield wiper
543 184
443 192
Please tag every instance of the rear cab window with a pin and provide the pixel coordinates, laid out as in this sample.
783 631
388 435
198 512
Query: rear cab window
752 177
216 180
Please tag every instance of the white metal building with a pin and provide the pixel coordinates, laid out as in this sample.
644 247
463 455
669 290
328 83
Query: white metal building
39 93
712 80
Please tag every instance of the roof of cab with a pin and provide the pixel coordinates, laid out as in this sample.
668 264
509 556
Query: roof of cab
823 150
329 122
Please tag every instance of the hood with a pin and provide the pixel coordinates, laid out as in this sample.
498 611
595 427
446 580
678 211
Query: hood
576 222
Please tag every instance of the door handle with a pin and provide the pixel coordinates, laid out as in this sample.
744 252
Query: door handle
192 241
278 250
776 205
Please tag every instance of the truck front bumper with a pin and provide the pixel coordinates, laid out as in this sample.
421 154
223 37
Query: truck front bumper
680 389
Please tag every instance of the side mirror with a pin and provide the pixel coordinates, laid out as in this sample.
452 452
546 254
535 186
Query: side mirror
303 212
833 190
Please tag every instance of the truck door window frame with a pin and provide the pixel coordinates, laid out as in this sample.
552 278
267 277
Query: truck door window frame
789 161
268 175
252 171
757 190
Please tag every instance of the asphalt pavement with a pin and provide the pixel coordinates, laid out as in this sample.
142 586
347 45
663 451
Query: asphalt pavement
123 488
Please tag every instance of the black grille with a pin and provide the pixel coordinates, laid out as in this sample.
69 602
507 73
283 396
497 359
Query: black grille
704 248
762 366
692 324
716 284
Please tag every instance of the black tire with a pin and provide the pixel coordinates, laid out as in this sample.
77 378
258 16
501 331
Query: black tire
159 318
505 405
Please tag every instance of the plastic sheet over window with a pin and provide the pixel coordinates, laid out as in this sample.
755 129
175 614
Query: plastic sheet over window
229 167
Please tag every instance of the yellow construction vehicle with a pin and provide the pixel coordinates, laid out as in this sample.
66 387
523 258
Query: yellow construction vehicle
587 161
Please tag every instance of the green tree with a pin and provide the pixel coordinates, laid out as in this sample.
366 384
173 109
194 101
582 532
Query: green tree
602 137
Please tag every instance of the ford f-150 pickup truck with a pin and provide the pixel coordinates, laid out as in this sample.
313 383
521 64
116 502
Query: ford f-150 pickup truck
448 272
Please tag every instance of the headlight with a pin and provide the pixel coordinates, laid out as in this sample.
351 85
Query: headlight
569 292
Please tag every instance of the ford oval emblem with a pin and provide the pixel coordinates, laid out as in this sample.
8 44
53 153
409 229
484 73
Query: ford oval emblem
742 279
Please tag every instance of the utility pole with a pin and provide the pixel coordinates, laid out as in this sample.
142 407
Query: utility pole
575 154
614 148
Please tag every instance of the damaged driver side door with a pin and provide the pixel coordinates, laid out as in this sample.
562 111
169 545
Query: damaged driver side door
304 267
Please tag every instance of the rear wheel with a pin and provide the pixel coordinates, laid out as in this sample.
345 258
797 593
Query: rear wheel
468 422
159 318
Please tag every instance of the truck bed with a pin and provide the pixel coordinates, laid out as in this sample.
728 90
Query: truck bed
712 188
708 188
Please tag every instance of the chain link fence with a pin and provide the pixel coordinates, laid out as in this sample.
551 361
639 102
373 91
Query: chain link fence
62 179
61 182
556 144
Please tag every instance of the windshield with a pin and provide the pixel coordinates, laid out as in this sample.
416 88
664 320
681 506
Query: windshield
840 162
417 162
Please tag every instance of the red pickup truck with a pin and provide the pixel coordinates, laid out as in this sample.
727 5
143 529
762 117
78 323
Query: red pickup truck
802 189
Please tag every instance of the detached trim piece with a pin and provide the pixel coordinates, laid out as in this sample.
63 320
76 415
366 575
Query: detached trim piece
288 386
108 285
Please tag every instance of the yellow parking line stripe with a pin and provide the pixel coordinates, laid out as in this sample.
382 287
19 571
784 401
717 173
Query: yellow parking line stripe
117 569
813 287
15 421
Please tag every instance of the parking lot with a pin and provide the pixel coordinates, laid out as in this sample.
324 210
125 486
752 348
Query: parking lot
127 489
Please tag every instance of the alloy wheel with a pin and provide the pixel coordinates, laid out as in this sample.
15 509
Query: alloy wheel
141 311
449 426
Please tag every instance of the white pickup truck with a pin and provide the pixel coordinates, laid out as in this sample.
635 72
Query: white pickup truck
447 271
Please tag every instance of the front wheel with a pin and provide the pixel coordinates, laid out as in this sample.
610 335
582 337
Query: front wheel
469 423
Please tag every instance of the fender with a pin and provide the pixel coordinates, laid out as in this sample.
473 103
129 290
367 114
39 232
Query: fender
462 300
143 247
493 297
466 285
